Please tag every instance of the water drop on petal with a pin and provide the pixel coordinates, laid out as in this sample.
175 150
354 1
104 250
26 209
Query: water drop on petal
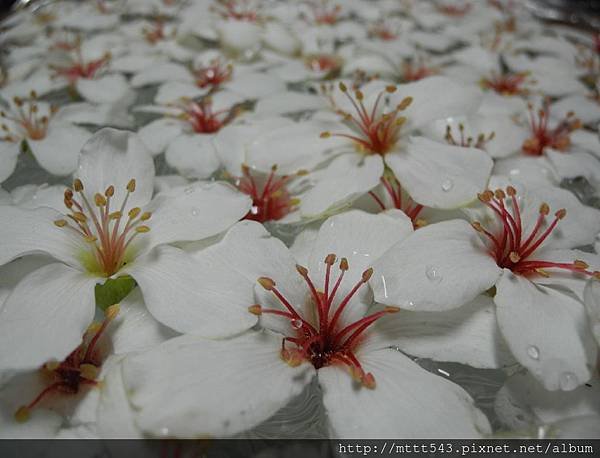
296 324
533 352
447 185
195 212
433 274
568 381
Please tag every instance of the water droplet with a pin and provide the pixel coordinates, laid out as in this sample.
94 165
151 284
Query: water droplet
433 274
407 304
447 185
568 381
533 352
195 212
296 324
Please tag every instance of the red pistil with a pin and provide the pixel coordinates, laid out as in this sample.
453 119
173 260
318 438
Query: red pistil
467 142
377 133
543 136
201 117
506 84
406 204
27 119
326 341
512 248
213 75
271 200
81 367
101 228
79 68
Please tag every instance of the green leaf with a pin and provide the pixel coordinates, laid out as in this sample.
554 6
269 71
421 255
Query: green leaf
113 291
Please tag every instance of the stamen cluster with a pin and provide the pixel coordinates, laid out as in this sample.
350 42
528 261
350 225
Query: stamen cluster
213 75
506 83
201 117
80 68
377 132
26 119
406 204
544 137
239 10
79 369
512 248
323 14
271 200
101 228
327 341
467 142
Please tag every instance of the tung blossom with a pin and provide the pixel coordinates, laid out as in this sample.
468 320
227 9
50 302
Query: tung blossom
111 228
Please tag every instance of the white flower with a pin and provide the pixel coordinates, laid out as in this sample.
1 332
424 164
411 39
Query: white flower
526 254
317 320
111 229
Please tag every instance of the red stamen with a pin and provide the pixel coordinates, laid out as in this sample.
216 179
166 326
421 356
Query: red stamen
407 205
543 137
506 84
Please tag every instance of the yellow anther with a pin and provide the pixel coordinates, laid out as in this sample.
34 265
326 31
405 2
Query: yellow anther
511 191
514 256
93 328
579 264
390 89
401 120
477 226
560 214
274 168
33 94
77 185
295 201
343 87
131 185
60 223
292 358
266 283
255 309
90 238
78 216
111 312
330 259
51 366
359 95
110 191
303 271
543 273
22 414
500 195
391 309
302 173
368 381
366 275
405 103
18 101
134 212
344 264
115 215
146 216
544 209
88 371
325 134
100 200
142 229
420 222
486 195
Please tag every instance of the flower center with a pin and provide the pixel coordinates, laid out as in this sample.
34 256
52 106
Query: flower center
215 74
512 248
506 84
79 68
239 10
26 120
452 10
101 228
271 200
323 14
415 71
325 342
543 136
376 133
154 33
405 203
383 31
323 62
79 369
467 142
201 117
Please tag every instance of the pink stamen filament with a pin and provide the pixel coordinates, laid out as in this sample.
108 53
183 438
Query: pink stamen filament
394 190
508 248
506 84
542 136
324 343
27 118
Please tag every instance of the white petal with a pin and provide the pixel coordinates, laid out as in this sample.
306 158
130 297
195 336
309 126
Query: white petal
189 296
586 140
441 176
105 114
172 91
45 317
106 89
193 155
569 165
195 212
161 73
288 102
238 35
134 328
159 134
33 231
439 267
59 150
173 387
468 335
523 401
546 331
114 157
256 85
407 402
531 170
346 178
436 97
585 108
592 304
9 154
